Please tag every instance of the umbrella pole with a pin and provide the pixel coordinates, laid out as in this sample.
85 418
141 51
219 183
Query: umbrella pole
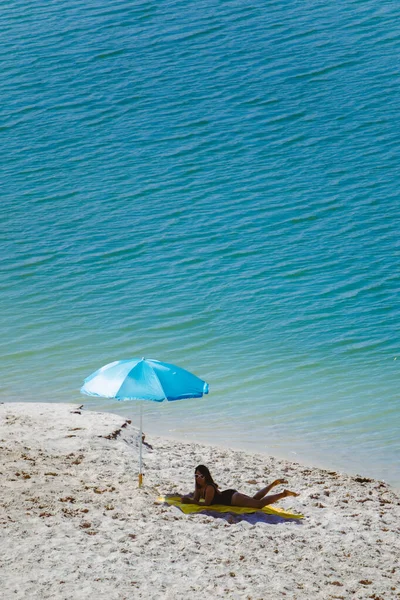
140 446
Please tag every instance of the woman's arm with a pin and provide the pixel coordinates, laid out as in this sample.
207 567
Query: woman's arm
208 497
193 499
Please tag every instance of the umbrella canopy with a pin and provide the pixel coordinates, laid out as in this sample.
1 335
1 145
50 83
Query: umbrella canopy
143 379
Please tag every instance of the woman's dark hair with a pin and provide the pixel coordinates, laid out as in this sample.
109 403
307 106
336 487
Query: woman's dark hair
207 475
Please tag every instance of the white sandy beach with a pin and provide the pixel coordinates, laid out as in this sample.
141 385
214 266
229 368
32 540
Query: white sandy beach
75 525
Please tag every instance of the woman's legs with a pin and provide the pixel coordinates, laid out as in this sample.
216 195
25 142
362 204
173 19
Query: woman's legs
274 497
239 499
265 490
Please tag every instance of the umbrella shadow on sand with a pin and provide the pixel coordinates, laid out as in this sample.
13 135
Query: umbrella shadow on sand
251 518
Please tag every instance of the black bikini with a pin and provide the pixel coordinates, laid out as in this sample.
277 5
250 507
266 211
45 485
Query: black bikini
224 497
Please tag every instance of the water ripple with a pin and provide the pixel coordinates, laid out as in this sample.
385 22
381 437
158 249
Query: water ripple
215 186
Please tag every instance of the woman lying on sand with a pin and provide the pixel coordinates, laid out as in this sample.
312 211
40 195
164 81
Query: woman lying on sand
207 489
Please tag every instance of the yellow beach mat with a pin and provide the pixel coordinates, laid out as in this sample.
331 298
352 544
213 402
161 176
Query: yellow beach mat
221 508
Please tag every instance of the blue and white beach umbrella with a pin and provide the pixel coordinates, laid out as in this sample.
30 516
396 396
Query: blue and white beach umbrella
143 379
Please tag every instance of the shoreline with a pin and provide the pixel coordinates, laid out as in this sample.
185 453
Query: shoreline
310 462
303 458
77 525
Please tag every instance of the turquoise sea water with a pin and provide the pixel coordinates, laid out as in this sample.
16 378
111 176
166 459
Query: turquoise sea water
213 184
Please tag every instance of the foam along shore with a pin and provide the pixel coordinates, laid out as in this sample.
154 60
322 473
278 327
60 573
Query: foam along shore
74 523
